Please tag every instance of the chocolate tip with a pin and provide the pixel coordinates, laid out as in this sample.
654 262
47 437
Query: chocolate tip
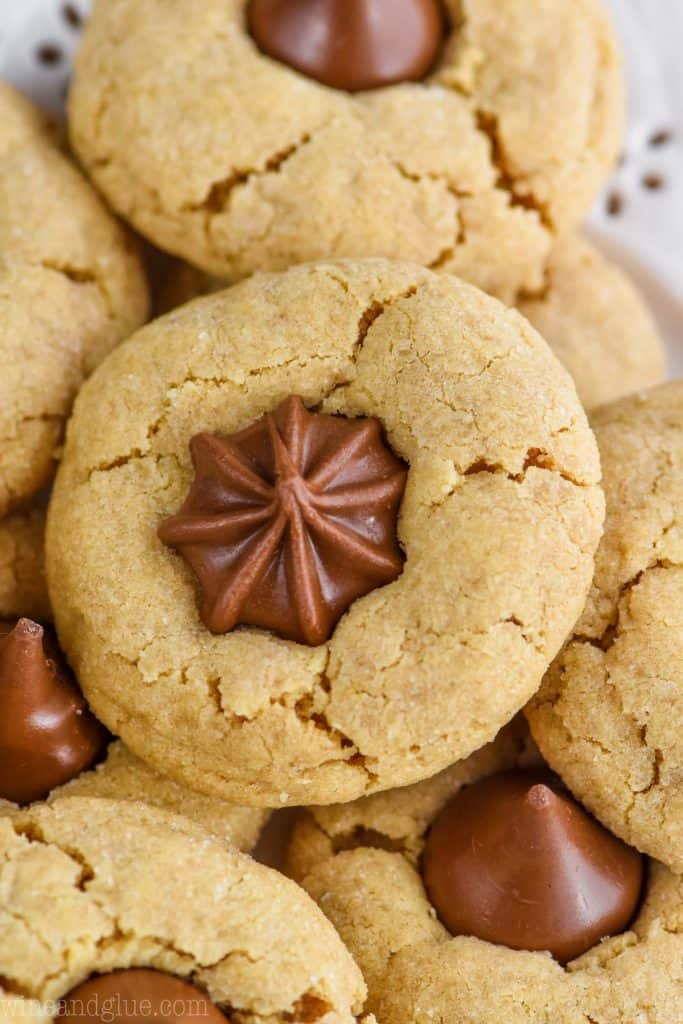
540 796
28 628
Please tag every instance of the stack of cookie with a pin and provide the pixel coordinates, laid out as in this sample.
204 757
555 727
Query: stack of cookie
328 529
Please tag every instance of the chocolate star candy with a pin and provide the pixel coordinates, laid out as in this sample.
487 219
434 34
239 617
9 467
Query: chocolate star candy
351 44
516 861
138 996
47 734
289 521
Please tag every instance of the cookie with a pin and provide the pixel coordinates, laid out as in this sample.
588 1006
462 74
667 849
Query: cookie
23 588
610 712
51 744
71 287
91 905
590 313
390 869
124 777
246 160
597 323
397 369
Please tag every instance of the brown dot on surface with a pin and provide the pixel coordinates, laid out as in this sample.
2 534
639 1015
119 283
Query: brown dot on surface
615 204
72 16
660 138
653 182
49 53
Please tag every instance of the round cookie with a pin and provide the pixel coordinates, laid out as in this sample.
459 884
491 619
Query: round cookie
361 862
23 588
590 313
71 286
91 887
609 717
499 522
242 163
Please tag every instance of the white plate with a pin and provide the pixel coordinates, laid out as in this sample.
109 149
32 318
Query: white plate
38 37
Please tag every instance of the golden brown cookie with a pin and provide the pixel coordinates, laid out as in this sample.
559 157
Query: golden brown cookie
71 287
241 163
23 588
609 717
122 776
92 887
590 313
361 863
597 323
501 515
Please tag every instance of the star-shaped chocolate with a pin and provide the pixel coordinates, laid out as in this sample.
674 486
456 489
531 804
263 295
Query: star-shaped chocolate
289 521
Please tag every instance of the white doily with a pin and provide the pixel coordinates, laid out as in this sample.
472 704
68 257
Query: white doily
639 218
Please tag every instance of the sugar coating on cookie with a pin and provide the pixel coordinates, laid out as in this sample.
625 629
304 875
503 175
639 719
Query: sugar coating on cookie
90 887
71 286
361 863
610 714
501 515
242 163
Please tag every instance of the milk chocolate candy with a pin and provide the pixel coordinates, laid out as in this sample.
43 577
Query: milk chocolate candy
514 860
351 44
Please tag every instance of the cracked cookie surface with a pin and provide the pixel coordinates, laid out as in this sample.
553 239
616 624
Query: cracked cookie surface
609 716
360 862
71 286
473 170
590 313
500 520
91 886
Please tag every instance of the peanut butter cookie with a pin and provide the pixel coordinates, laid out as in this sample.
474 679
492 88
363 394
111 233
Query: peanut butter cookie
453 894
467 148
597 323
229 578
101 900
609 717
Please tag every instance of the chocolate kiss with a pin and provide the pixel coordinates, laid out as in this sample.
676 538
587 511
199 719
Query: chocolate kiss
138 996
47 734
351 44
289 521
515 861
